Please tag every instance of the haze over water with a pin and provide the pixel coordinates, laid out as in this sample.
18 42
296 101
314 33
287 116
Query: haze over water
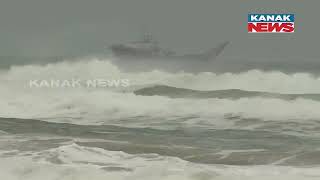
251 114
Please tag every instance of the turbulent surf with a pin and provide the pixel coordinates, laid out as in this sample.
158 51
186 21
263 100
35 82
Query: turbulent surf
250 125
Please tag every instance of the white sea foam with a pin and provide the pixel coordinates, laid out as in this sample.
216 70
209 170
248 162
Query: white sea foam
255 80
103 106
113 106
82 163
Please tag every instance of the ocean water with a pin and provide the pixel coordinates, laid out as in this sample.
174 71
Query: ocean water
249 125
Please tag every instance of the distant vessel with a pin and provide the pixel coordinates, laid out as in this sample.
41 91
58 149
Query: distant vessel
149 48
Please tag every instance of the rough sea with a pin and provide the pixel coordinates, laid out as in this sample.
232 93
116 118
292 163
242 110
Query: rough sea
249 125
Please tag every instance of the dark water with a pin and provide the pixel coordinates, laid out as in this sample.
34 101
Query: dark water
243 147
173 92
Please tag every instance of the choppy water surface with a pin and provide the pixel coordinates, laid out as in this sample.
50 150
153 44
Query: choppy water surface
250 125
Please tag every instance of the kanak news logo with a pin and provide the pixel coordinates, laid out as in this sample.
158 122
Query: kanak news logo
270 23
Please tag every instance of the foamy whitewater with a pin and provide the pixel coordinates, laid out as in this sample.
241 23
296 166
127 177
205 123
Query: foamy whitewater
254 125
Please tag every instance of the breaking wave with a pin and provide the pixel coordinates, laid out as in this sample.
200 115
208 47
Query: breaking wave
253 80
78 162
107 105
254 117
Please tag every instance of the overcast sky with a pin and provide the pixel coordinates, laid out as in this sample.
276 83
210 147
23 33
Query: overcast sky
79 27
